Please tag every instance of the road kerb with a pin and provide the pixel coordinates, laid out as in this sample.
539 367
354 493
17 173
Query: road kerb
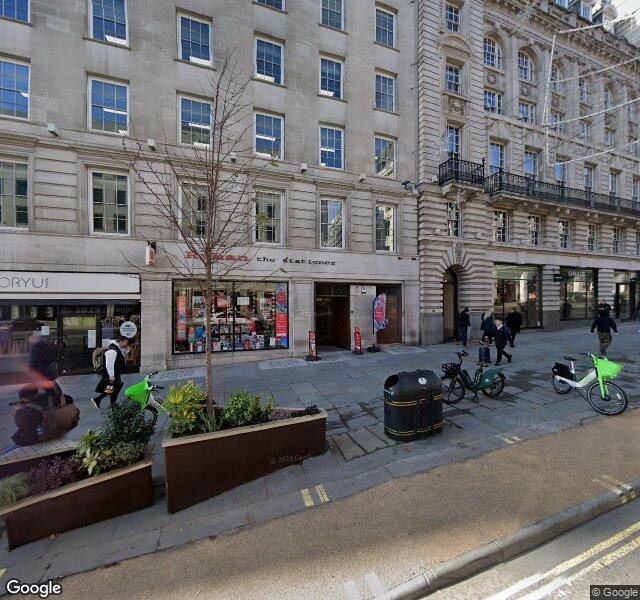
466 565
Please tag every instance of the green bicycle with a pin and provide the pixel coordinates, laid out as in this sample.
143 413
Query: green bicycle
604 396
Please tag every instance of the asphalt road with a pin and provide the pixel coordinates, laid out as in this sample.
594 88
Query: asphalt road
605 551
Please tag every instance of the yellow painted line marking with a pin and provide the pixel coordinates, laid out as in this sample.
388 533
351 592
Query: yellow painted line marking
614 488
516 438
306 497
322 494
506 439
630 491
2 572
569 564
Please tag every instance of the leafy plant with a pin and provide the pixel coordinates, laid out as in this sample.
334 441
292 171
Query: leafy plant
89 450
52 474
245 409
13 489
125 423
209 422
186 407
120 455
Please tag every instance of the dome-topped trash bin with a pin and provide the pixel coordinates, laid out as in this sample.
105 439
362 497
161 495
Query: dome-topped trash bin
412 405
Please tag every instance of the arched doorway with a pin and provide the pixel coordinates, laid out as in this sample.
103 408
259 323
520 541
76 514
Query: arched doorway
450 306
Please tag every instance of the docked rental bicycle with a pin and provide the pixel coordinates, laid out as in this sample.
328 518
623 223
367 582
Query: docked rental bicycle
604 396
456 380
142 393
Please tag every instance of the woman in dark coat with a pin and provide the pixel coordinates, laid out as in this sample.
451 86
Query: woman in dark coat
487 326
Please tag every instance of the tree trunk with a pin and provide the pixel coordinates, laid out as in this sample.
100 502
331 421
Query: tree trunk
208 301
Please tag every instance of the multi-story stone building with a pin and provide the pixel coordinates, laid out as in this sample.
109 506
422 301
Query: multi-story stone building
332 102
514 213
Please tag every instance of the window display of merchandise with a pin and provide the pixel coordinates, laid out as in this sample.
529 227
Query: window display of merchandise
518 286
578 293
245 316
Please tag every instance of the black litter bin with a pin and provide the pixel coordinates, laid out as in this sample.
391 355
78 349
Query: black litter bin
412 405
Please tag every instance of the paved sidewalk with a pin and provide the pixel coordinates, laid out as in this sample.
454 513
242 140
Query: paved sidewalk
360 547
359 457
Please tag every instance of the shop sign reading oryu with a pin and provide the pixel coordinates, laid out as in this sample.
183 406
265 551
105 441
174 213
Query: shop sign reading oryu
51 282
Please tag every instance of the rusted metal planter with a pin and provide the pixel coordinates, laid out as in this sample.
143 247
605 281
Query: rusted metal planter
78 504
201 466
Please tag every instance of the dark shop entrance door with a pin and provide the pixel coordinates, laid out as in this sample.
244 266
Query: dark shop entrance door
332 315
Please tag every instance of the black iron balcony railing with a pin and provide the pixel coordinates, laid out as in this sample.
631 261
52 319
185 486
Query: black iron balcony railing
461 171
502 181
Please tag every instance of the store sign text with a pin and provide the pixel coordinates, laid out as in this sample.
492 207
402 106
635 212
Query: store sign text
24 283
297 261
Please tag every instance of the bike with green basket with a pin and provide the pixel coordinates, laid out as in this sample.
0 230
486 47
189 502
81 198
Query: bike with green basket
602 394
142 393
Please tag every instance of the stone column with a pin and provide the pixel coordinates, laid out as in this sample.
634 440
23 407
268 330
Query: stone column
550 298
606 287
301 315
156 324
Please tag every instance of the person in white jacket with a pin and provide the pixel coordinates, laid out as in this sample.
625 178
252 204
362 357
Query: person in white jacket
110 383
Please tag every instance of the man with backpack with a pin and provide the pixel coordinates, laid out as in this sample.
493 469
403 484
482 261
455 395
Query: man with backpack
109 362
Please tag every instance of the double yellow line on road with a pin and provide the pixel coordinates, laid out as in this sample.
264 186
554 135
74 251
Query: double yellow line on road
307 497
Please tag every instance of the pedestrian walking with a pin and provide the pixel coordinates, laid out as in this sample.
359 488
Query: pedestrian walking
603 306
41 356
514 323
110 383
502 339
487 326
464 322
604 324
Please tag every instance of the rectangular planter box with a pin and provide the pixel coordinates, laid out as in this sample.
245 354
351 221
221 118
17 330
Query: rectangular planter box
78 504
205 465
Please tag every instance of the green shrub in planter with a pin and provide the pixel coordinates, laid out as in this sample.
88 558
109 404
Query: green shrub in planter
187 408
245 409
13 488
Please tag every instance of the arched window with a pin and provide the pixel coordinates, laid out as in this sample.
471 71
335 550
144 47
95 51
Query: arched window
492 53
525 66
556 80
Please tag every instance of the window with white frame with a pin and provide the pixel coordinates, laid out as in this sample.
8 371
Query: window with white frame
493 102
586 10
584 130
496 157
109 106
331 147
533 222
385 28
195 122
452 79
333 13
557 122
18 10
330 77
637 243
452 17
14 88
492 53
616 240
14 194
453 219
609 137
109 21
564 233
268 135
109 203
560 171
331 223
193 207
527 111
385 157
453 140
195 40
268 217
614 178
385 228
587 177
277 4
525 66
635 189
584 90
500 226
385 92
530 164
556 79
608 97
592 237
269 61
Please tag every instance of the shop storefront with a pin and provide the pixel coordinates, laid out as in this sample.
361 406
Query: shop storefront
77 312
624 300
578 293
518 286
246 316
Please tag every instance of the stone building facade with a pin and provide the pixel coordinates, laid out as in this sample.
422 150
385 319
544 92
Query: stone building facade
510 216
331 101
